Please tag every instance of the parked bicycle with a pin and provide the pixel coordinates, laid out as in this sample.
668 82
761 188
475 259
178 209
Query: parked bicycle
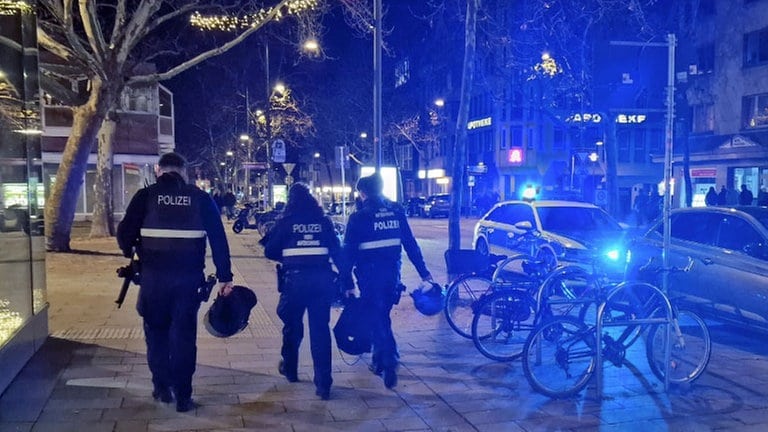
505 312
480 274
561 355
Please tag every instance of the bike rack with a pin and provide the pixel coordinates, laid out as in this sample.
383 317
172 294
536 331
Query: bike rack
666 320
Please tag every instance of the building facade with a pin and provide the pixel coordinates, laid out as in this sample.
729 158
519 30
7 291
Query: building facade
23 304
727 88
145 130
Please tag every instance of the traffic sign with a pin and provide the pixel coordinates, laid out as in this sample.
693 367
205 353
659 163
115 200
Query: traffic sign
278 151
601 197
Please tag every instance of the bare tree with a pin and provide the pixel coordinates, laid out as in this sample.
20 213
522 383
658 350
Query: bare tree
110 40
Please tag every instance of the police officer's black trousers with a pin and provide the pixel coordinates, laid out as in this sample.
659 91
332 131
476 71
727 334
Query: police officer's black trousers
379 298
168 302
311 291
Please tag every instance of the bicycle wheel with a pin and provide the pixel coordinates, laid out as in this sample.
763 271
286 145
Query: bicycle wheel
559 357
689 352
515 270
566 290
627 303
502 322
460 298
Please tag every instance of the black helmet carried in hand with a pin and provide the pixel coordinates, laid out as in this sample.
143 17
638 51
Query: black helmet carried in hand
430 301
229 315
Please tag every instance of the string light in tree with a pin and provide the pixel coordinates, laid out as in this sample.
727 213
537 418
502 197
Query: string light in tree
230 23
8 7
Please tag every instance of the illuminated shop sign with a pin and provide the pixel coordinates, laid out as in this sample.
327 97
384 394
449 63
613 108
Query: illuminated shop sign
631 118
597 118
515 156
476 124
433 173
703 173
585 118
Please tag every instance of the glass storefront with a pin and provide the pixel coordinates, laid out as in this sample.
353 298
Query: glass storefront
22 245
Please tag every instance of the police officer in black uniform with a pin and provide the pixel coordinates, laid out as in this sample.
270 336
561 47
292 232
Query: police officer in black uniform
304 241
375 236
167 223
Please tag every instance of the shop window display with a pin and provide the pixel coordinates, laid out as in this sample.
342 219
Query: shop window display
22 245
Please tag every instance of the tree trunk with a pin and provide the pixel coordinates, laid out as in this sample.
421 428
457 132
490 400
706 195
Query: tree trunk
103 222
62 200
460 145
611 167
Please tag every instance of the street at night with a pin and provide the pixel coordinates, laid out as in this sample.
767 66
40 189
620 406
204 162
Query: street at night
92 374
614 154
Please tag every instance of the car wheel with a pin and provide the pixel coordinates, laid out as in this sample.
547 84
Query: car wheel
482 247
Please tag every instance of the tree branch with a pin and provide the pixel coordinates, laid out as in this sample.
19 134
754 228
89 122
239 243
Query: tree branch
74 40
274 12
151 26
119 28
59 50
133 30
92 28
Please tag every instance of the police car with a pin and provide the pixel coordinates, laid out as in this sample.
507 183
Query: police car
580 231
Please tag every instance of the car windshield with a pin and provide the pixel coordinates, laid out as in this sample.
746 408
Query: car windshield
576 219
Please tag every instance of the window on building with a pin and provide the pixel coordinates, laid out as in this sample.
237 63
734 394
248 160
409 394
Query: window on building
517 137
703 118
530 138
138 99
705 59
623 137
657 141
558 140
754 111
405 156
503 142
641 149
166 103
756 47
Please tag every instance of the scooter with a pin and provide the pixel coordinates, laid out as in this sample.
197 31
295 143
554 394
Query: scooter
244 217
263 221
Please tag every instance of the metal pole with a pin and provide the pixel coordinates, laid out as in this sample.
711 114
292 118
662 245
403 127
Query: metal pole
342 158
377 84
248 143
268 117
671 42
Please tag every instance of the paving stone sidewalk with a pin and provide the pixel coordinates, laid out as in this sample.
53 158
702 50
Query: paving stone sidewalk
92 374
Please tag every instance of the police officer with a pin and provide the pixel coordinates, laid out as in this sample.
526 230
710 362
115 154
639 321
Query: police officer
375 236
167 223
304 241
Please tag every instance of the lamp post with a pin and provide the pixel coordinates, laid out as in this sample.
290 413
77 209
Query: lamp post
245 139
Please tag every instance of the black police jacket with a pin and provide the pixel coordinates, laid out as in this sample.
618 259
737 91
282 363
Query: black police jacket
168 223
303 241
374 239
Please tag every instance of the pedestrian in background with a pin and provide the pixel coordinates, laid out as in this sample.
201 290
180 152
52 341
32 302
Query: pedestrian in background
722 196
641 201
745 197
711 198
373 243
304 241
228 201
167 224
762 197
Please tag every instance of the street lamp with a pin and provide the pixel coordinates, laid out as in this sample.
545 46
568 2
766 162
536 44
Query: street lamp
245 140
